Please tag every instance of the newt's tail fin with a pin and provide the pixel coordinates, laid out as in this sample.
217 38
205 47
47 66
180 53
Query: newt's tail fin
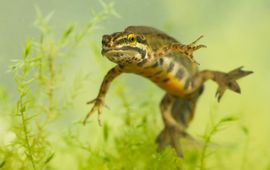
229 81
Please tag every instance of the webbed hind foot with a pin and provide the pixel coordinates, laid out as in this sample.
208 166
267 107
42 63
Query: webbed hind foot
224 80
170 136
228 81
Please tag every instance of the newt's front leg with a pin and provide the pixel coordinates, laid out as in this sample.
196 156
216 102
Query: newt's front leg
99 100
187 50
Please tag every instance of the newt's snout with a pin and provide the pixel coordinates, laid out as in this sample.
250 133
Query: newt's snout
105 40
105 44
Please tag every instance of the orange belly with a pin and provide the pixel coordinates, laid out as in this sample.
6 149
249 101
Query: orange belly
172 85
161 77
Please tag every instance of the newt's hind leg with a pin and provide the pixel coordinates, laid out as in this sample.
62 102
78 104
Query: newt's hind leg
224 80
181 110
169 134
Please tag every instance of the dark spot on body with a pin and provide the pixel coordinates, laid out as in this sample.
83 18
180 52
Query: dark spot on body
165 80
171 66
154 65
142 62
149 76
161 61
180 74
121 66
157 73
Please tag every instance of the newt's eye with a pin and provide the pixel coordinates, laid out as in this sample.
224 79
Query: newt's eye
131 39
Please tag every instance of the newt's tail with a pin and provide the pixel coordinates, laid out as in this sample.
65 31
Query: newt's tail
228 81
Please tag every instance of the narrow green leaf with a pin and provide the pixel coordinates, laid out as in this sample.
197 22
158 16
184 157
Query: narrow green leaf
106 131
245 130
27 48
31 117
228 119
2 164
22 110
49 158
67 32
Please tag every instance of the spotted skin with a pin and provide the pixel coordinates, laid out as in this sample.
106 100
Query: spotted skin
169 64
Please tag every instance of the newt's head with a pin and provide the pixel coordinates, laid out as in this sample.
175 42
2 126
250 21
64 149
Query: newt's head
124 47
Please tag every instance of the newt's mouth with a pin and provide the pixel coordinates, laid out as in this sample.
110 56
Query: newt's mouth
142 52
112 52
104 51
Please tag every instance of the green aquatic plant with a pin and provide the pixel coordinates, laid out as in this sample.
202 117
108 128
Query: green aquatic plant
211 131
40 100
29 128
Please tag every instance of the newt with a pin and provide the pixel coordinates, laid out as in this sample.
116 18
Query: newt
153 54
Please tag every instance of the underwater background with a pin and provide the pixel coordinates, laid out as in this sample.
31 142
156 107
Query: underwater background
51 66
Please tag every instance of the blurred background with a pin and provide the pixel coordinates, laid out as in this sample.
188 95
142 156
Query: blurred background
237 33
